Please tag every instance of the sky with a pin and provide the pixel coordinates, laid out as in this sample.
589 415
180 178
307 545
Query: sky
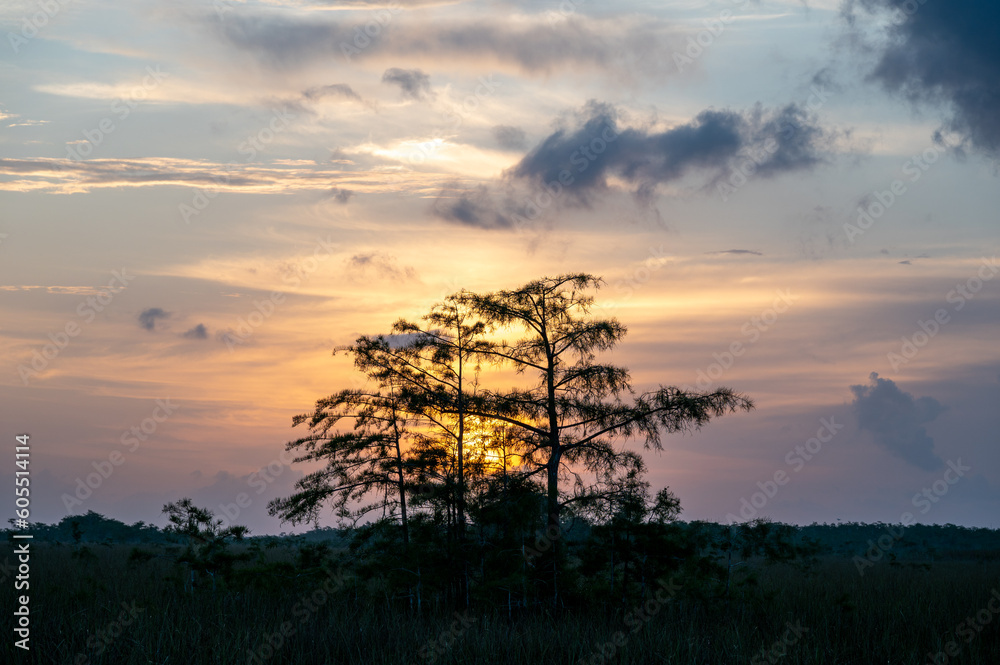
200 200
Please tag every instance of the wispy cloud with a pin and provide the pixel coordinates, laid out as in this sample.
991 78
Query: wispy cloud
381 265
626 45
67 176
737 251
62 290
332 90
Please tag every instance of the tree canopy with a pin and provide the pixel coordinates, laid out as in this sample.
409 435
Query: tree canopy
567 426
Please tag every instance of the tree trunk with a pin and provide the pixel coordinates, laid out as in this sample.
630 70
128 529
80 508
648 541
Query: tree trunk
553 527
402 480
553 530
460 503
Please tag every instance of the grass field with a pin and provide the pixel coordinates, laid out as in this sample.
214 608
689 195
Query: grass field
103 608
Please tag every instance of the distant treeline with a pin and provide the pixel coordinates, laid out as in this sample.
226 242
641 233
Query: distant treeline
923 541
95 528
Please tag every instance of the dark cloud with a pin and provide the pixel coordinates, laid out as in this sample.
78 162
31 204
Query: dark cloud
341 195
582 157
198 332
576 161
402 341
737 251
332 90
304 104
510 138
942 53
414 83
381 4
624 45
381 265
478 207
148 317
896 420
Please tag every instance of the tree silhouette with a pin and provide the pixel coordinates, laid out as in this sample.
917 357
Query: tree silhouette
577 409
438 368
571 415
207 542
371 457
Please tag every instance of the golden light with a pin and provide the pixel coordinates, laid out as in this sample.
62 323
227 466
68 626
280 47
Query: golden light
489 445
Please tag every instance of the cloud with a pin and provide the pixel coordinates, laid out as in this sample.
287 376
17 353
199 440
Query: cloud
737 251
478 207
198 332
306 101
148 317
623 45
67 176
232 338
341 195
381 265
896 420
510 138
71 290
414 83
581 158
942 53
332 90
577 161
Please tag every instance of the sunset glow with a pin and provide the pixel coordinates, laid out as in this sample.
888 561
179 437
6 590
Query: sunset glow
767 211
